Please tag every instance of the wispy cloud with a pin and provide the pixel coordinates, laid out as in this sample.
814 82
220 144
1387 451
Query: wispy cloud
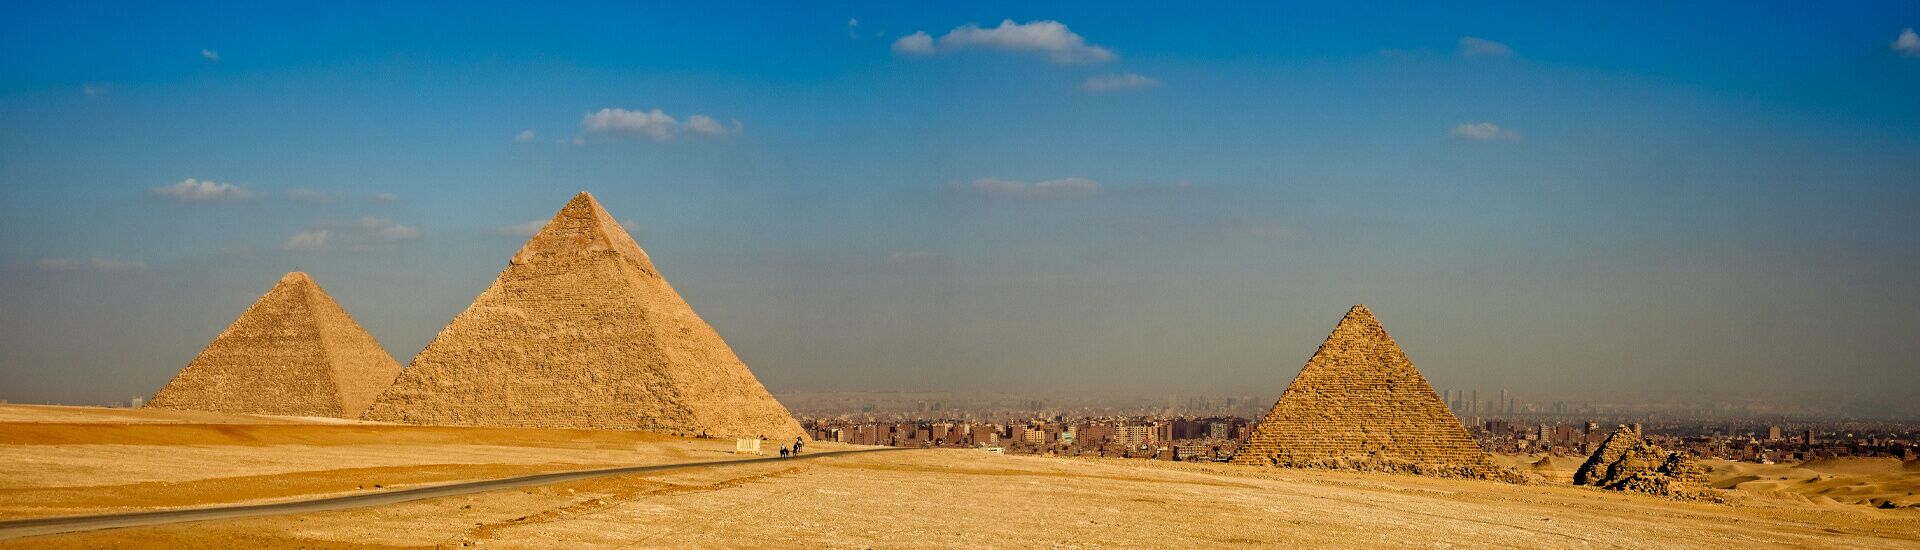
311 196
1471 46
523 137
853 28
1907 44
1066 188
654 125
95 263
1484 131
1051 39
307 240
95 90
368 231
193 190
384 197
211 55
1112 82
522 230
382 230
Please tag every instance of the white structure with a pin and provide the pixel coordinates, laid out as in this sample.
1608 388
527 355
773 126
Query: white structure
746 445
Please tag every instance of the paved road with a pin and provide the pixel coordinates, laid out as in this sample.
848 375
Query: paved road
68 524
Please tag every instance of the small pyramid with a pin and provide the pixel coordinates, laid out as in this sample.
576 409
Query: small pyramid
1359 403
1626 461
581 331
294 352
1623 439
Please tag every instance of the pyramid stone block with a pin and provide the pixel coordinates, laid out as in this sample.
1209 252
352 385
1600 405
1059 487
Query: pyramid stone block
581 331
293 352
1359 403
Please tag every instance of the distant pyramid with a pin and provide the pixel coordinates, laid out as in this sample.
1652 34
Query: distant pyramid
1359 403
581 331
1626 461
294 352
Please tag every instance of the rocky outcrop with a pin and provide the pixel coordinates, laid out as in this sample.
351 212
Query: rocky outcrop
1628 462
1360 404
581 331
293 352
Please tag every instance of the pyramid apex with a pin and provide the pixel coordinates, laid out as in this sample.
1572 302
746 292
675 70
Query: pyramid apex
582 226
296 277
1359 312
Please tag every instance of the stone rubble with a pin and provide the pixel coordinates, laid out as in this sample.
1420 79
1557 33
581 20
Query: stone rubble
1628 462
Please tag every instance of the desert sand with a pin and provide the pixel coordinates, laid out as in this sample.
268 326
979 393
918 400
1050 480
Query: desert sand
64 460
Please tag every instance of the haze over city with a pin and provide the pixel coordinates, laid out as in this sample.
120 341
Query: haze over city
1623 199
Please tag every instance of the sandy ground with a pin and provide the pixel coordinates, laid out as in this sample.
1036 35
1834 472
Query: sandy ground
911 499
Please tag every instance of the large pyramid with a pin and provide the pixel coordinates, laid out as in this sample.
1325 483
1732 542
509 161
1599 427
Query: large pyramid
1360 403
294 352
581 331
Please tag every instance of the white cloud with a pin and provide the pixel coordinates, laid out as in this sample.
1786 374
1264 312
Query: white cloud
523 137
193 190
311 196
1484 131
655 125
918 43
1049 38
1908 44
307 240
1481 47
522 230
853 26
1112 82
95 90
706 126
1066 188
384 197
210 55
95 263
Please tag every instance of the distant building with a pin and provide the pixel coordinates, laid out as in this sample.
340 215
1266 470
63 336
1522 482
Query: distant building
1133 436
1773 433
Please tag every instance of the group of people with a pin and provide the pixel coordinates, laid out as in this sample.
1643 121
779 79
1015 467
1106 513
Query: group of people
795 448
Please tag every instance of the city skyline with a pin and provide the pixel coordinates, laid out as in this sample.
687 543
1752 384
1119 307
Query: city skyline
994 197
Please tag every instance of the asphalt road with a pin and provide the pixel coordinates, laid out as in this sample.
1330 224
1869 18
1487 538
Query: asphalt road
69 524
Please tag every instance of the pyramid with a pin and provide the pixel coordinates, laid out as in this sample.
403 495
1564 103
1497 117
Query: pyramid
1359 403
294 352
581 331
1628 462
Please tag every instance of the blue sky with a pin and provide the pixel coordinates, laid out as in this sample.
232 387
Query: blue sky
1621 197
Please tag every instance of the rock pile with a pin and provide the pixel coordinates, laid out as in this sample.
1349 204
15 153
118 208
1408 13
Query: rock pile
1359 404
1628 462
581 331
293 352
